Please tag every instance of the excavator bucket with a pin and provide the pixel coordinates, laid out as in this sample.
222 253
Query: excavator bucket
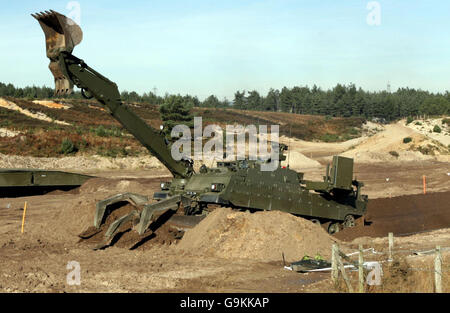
62 34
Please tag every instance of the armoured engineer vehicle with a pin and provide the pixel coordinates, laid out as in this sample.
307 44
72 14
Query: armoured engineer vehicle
334 202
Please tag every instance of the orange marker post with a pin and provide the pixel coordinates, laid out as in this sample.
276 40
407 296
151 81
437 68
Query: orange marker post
24 213
424 185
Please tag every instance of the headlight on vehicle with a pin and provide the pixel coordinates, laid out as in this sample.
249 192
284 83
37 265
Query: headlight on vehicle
165 186
217 187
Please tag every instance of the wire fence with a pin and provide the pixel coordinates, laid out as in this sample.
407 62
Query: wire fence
371 273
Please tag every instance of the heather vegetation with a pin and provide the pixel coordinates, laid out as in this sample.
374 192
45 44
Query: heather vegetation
340 101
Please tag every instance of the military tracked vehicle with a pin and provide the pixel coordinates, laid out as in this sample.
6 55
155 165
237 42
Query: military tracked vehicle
334 202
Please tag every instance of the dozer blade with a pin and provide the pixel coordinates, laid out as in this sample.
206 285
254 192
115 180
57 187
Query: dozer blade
152 211
135 199
114 228
144 221
62 34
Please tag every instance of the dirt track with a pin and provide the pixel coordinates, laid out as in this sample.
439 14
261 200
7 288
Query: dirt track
404 215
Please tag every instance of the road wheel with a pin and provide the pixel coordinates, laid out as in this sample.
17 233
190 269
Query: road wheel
349 221
315 221
333 228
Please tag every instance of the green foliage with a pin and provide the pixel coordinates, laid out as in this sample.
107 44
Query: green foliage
409 120
330 138
446 121
340 101
213 102
407 139
102 131
436 129
436 105
418 123
176 110
67 147
394 153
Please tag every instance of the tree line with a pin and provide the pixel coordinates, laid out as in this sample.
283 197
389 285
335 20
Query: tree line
340 101
347 101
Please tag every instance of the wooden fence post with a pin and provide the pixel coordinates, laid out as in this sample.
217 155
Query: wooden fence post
361 269
334 264
344 275
424 180
391 246
438 271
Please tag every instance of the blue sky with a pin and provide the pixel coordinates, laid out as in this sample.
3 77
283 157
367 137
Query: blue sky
218 47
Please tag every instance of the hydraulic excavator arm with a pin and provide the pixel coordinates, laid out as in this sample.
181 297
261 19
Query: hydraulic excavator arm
93 84
62 35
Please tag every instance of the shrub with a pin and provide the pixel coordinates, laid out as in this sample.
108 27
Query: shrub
394 153
67 147
407 139
436 129
409 120
329 137
418 123
101 131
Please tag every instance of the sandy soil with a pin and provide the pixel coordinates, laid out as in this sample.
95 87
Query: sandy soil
379 147
210 259
81 163
36 260
39 115
230 235
52 104
426 126
4 132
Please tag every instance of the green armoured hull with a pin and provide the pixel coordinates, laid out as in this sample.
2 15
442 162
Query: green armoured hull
283 189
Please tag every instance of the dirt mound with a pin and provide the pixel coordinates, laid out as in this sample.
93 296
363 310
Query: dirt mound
427 126
388 145
260 236
298 161
402 215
